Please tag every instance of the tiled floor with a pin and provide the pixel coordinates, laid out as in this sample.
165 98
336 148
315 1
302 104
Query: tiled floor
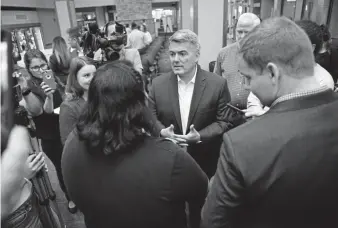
71 220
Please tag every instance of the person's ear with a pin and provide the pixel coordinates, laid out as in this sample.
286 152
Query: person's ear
274 72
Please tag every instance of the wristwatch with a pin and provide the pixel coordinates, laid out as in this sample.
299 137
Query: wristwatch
25 92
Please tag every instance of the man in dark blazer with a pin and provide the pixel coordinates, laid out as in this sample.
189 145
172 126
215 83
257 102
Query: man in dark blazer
189 103
281 169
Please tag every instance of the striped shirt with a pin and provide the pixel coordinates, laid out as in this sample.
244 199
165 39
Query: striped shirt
226 66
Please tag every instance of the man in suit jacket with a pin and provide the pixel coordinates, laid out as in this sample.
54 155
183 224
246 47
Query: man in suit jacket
279 170
189 103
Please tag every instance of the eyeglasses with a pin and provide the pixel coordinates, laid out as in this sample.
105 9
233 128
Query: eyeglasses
41 67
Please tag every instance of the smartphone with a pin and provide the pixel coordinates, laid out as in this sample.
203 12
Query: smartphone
235 108
49 79
7 90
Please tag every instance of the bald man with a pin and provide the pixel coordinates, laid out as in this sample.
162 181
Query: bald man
226 64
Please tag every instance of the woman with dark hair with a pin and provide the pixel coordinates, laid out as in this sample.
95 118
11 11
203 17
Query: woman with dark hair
81 72
327 57
59 61
40 102
116 173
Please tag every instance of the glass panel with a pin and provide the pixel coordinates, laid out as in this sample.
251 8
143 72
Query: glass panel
307 9
289 9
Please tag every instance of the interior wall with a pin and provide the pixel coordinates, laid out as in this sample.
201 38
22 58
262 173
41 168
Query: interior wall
93 3
187 14
29 3
49 26
12 17
334 20
210 30
266 8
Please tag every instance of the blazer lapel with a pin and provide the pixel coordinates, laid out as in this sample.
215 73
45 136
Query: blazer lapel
173 91
197 95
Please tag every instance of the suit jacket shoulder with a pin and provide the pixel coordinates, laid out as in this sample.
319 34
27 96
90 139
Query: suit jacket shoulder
159 80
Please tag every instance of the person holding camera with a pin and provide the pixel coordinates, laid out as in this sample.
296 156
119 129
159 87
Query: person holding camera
42 94
113 48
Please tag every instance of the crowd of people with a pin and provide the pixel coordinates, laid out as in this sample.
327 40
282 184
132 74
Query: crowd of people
251 144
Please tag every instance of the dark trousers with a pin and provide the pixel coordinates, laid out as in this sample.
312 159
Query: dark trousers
53 149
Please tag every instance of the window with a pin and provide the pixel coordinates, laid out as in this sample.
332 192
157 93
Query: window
307 9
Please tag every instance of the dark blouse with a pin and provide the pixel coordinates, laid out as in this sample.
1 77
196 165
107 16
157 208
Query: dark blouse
70 111
147 187
58 69
47 124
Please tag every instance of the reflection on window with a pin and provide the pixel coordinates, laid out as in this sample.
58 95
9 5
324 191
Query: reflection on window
307 9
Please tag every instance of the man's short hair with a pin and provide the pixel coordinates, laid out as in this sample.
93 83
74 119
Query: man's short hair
314 32
281 41
186 35
133 25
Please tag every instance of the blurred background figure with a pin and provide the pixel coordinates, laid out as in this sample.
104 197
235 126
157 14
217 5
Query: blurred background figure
74 41
327 56
147 36
114 169
91 41
59 61
136 38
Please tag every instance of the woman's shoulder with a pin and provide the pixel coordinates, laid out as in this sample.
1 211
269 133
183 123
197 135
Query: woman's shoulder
72 101
73 142
164 145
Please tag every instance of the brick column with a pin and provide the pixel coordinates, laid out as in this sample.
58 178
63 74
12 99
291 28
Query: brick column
133 10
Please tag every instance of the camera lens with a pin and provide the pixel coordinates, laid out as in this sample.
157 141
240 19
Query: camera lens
112 56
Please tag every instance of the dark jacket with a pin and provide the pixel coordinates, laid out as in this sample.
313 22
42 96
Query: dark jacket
279 170
207 111
146 187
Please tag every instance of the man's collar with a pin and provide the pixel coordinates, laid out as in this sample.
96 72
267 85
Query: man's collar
193 80
296 95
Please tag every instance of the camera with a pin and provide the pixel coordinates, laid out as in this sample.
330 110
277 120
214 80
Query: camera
111 46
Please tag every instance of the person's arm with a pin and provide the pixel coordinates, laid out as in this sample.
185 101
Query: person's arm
33 104
189 183
226 191
13 162
128 42
137 62
219 126
67 121
48 106
254 106
218 64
